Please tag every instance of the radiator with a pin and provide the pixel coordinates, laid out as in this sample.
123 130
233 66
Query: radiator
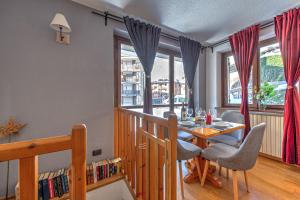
272 141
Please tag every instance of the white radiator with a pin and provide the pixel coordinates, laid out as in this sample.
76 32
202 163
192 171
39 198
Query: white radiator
272 142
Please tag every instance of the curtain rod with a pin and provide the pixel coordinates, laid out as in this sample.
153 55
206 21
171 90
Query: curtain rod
108 15
262 26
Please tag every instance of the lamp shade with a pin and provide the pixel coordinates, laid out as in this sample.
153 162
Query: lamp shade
59 21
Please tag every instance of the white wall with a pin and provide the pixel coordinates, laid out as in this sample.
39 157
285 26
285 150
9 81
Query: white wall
213 70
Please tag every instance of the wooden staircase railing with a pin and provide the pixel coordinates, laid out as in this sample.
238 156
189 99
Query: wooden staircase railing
149 159
27 153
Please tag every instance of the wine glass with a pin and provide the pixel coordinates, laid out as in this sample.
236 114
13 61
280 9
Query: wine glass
190 112
198 111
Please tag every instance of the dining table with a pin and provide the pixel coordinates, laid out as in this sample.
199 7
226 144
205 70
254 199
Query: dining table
201 134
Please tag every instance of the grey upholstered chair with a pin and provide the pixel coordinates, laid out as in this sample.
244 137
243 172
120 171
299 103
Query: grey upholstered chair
236 159
186 151
234 138
182 135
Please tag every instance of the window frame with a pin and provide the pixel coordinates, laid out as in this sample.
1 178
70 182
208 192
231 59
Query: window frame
255 75
118 41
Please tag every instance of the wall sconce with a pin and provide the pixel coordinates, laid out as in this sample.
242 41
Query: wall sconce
60 24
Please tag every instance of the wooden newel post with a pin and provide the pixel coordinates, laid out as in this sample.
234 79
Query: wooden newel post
173 139
78 168
28 178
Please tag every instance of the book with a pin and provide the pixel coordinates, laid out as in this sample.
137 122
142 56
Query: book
54 179
46 195
61 172
40 187
59 184
94 172
66 179
51 185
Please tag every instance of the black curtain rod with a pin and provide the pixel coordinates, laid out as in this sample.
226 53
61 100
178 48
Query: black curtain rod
262 26
108 15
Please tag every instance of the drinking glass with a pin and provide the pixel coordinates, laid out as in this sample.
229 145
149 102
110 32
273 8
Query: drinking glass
190 112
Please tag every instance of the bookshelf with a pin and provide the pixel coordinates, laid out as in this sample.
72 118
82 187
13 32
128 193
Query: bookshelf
95 186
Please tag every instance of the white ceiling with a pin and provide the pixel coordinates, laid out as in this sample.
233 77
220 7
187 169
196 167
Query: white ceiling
206 20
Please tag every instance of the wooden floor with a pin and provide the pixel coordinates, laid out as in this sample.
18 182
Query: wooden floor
267 180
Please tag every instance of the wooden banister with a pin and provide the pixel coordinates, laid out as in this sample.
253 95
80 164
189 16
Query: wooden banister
25 149
27 152
149 159
78 168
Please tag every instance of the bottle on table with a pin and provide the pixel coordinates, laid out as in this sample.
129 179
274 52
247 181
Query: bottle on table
183 112
208 118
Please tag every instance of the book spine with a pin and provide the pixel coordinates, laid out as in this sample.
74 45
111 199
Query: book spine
40 190
45 190
63 184
66 183
59 186
51 191
55 187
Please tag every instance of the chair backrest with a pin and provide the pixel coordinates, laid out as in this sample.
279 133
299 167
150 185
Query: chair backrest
166 114
246 156
235 117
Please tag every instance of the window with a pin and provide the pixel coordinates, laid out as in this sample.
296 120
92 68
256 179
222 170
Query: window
167 78
271 72
267 71
234 95
132 77
160 80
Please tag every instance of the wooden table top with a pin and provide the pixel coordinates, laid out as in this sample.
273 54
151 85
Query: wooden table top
206 132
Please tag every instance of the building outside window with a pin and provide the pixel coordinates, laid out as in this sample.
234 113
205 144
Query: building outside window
167 79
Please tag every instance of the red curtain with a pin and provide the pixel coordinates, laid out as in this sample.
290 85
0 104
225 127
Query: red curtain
287 29
244 47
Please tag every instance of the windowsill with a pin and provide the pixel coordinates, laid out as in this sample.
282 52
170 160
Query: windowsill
273 112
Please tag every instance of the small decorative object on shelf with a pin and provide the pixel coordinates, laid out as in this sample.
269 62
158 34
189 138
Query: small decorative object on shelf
264 95
10 128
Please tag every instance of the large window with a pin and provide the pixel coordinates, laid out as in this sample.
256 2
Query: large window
271 73
167 78
234 95
267 74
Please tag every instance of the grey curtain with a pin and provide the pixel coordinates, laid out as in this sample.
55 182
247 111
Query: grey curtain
145 38
190 51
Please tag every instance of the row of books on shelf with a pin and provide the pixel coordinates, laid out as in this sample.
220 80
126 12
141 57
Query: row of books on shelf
56 184
53 184
102 169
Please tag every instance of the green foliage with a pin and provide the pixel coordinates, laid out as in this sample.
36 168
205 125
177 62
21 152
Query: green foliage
275 61
266 92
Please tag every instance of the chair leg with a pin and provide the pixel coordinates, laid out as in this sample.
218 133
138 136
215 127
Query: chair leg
246 180
196 160
205 172
227 173
181 178
235 185
220 170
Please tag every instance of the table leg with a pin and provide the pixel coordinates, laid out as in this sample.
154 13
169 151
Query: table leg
192 176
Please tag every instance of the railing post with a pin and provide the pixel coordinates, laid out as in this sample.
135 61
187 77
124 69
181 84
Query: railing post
116 132
78 169
28 178
173 139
